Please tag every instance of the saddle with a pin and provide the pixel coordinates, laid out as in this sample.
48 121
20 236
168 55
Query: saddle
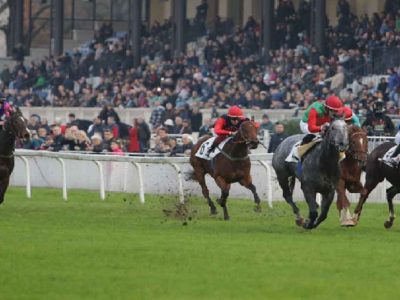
393 162
299 151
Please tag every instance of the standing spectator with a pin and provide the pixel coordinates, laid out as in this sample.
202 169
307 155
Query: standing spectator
186 128
196 119
266 124
108 139
144 135
96 127
116 148
108 111
277 137
133 138
157 116
206 128
96 144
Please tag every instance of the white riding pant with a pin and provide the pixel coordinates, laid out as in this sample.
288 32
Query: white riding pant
304 127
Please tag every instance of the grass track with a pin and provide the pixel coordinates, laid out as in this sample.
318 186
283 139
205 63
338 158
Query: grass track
88 249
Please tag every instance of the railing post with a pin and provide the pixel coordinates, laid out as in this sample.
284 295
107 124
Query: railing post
141 186
180 182
269 181
101 177
28 177
64 178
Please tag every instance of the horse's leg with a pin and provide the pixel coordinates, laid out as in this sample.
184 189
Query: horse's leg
3 187
310 196
224 195
247 182
390 193
370 184
202 181
287 186
343 204
325 205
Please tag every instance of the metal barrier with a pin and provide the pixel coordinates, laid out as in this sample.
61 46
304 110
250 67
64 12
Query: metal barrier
174 162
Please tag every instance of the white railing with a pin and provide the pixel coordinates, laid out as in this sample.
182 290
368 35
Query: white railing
137 162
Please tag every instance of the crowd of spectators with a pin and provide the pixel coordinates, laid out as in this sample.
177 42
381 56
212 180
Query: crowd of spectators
231 69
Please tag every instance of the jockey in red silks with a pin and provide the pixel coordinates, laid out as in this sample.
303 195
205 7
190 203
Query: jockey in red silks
350 117
318 115
5 111
227 125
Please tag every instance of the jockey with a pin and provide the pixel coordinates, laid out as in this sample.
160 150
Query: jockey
5 111
350 117
318 115
226 126
395 157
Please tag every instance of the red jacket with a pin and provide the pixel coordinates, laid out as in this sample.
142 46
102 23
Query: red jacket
223 126
315 122
133 140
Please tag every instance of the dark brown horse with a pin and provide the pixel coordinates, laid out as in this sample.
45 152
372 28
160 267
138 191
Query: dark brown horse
14 127
376 172
350 172
230 166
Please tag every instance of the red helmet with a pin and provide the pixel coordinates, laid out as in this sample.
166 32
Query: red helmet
334 103
348 113
235 112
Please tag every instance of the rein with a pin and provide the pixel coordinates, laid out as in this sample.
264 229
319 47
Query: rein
228 156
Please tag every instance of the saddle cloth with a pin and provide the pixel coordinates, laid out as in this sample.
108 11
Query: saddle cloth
203 150
387 157
298 151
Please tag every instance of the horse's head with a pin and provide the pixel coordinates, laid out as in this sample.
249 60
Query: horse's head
337 135
17 126
248 134
358 144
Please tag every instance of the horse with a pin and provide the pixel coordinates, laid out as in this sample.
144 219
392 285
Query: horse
350 172
320 171
376 172
14 127
230 166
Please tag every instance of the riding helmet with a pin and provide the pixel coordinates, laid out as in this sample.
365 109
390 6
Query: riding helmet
334 103
235 111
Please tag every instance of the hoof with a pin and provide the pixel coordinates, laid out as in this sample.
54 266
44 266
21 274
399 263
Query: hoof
257 208
299 222
213 212
348 223
388 224
307 225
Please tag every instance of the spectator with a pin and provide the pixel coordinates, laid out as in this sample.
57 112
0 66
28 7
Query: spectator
378 123
96 144
206 128
108 139
277 137
169 126
186 128
157 116
96 127
133 138
162 144
266 124
116 148
144 135
57 140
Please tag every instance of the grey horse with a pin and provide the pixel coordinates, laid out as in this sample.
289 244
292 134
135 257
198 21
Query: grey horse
320 171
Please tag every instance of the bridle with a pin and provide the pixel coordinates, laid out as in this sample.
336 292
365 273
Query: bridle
243 139
356 154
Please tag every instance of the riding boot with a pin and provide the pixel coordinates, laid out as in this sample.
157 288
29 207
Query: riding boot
308 138
212 148
396 151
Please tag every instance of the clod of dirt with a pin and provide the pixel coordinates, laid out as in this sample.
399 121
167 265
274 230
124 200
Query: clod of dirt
181 212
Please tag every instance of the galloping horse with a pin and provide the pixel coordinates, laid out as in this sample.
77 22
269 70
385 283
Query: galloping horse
320 171
350 172
376 172
14 127
230 166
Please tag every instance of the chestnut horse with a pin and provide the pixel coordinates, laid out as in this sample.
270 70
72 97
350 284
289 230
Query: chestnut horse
230 166
14 127
350 172
376 172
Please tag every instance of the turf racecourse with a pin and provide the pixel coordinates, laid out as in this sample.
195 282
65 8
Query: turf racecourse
120 249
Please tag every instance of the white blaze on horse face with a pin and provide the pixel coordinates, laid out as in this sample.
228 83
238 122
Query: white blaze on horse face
361 142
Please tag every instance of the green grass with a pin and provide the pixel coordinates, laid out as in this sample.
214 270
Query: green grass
120 249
